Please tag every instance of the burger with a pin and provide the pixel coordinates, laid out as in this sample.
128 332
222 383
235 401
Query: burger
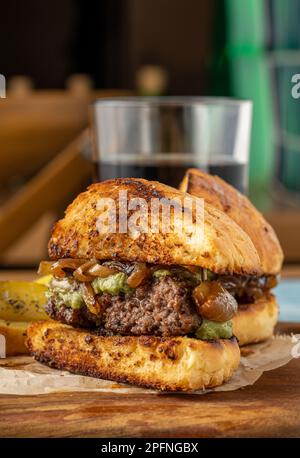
144 306
257 307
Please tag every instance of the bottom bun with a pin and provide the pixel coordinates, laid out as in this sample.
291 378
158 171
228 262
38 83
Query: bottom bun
257 321
172 364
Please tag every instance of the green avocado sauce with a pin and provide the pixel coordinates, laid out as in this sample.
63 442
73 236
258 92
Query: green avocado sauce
73 300
213 330
161 273
113 284
65 293
193 277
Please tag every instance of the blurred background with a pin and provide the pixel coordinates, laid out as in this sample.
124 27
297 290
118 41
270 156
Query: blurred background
59 56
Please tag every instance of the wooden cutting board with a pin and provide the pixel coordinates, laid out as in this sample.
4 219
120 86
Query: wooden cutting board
270 408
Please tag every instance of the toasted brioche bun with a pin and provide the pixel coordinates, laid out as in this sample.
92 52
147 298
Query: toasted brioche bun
224 197
225 247
256 322
172 364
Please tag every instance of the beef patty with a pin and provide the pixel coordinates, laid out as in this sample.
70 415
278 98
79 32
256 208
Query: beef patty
162 306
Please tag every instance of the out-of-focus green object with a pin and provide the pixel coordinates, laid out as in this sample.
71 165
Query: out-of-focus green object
250 78
287 64
286 60
285 19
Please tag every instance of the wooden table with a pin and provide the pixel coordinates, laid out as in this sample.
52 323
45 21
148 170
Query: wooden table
270 408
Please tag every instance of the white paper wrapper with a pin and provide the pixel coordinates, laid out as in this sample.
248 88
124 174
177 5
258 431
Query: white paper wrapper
24 376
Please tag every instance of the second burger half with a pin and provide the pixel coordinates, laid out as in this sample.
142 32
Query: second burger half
258 309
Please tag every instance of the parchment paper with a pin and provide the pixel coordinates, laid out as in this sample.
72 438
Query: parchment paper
24 376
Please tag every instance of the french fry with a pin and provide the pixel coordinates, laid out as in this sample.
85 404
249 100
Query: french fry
15 335
22 301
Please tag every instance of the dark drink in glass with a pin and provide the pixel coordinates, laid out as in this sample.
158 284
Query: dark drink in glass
172 174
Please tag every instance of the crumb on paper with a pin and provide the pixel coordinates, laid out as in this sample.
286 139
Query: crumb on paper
245 351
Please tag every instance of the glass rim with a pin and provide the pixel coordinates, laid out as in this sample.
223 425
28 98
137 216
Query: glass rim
177 101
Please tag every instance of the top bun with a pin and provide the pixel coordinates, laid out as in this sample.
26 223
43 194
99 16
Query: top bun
225 247
224 197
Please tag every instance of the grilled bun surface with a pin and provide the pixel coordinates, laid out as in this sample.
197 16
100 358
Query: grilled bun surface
172 364
224 197
256 322
225 247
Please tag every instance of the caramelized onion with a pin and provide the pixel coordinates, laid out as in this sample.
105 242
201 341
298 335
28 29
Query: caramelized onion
192 269
45 268
247 289
271 282
58 271
57 267
70 263
83 270
234 284
81 273
125 267
214 302
139 273
89 298
98 270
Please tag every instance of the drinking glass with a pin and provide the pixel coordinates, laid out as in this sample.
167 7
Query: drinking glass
158 138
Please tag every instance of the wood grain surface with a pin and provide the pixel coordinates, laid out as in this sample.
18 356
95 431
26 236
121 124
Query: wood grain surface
270 408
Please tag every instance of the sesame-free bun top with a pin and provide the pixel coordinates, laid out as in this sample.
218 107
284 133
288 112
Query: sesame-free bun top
225 247
224 197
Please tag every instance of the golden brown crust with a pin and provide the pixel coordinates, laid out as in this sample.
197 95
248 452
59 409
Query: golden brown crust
172 364
221 195
256 321
225 247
